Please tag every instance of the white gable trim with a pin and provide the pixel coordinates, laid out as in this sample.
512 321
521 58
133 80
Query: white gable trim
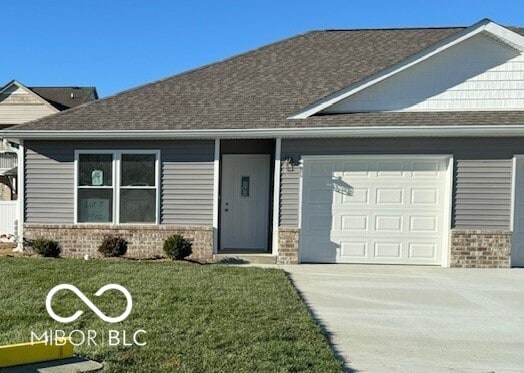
494 30
28 90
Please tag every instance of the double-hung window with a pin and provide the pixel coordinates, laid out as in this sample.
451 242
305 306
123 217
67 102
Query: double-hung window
117 186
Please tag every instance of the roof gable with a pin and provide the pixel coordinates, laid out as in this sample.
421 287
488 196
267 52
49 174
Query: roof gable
64 98
14 87
479 74
481 31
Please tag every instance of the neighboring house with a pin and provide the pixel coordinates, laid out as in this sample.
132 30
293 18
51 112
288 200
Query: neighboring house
397 146
20 104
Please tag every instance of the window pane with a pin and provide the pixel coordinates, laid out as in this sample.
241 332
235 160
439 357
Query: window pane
95 169
95 205
138 170
137 205
244 186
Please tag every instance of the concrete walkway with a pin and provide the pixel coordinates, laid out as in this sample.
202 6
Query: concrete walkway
419 319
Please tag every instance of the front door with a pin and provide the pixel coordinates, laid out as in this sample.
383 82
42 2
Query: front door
245 202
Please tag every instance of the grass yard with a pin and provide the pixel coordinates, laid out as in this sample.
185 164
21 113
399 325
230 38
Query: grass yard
197 317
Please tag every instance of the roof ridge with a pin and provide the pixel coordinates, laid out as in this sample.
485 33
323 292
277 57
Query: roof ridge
393 28
61 86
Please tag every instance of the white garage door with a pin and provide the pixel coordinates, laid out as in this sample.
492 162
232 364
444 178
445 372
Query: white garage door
365 209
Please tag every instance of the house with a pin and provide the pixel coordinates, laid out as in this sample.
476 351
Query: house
20 104
394 146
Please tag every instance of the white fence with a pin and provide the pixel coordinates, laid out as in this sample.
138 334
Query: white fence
7 160
8 215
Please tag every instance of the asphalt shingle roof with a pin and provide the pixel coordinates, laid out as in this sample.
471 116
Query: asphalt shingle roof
262 88
64 98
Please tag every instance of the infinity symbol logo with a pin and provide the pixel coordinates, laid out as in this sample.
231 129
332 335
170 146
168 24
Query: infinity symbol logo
84 299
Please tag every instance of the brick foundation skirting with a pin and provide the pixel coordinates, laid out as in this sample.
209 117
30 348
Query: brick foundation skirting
480 249
143 241
288 245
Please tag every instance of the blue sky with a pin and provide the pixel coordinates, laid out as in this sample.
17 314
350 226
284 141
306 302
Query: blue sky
117 44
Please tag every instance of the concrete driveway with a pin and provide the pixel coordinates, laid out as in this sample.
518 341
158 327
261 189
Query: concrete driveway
419 319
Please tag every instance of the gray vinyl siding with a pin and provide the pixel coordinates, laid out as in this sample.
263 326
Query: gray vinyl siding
186 179
187 183
49 184
482 195
289 195
482 173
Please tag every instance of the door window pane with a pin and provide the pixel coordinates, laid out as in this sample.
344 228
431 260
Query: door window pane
95 170
138 169
95 205
244 186
137 205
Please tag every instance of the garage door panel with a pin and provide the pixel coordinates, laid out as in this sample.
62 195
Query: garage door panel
422 250
426 224
427 168
321 169
359 169
315 249
354 249
388 223
390 168
357 196
387 250
374 211
352 223
425 196
389 195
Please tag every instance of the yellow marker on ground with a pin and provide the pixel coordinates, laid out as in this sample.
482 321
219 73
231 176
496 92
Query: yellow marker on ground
27 353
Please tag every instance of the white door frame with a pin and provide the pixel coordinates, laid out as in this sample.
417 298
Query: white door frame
448 192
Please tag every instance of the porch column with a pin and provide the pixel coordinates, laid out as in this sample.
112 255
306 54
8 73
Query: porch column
276 196
216 186
21 194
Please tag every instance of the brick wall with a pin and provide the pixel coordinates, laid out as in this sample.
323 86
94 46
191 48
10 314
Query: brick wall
143 241
288 245
480 249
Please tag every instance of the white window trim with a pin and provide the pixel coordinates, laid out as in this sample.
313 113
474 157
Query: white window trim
116 170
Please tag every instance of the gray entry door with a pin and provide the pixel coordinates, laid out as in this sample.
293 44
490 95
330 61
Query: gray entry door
245 202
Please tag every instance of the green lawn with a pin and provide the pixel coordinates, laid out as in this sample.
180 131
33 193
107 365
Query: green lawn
197 317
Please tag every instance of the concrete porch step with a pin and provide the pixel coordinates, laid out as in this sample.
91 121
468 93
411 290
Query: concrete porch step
241 258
